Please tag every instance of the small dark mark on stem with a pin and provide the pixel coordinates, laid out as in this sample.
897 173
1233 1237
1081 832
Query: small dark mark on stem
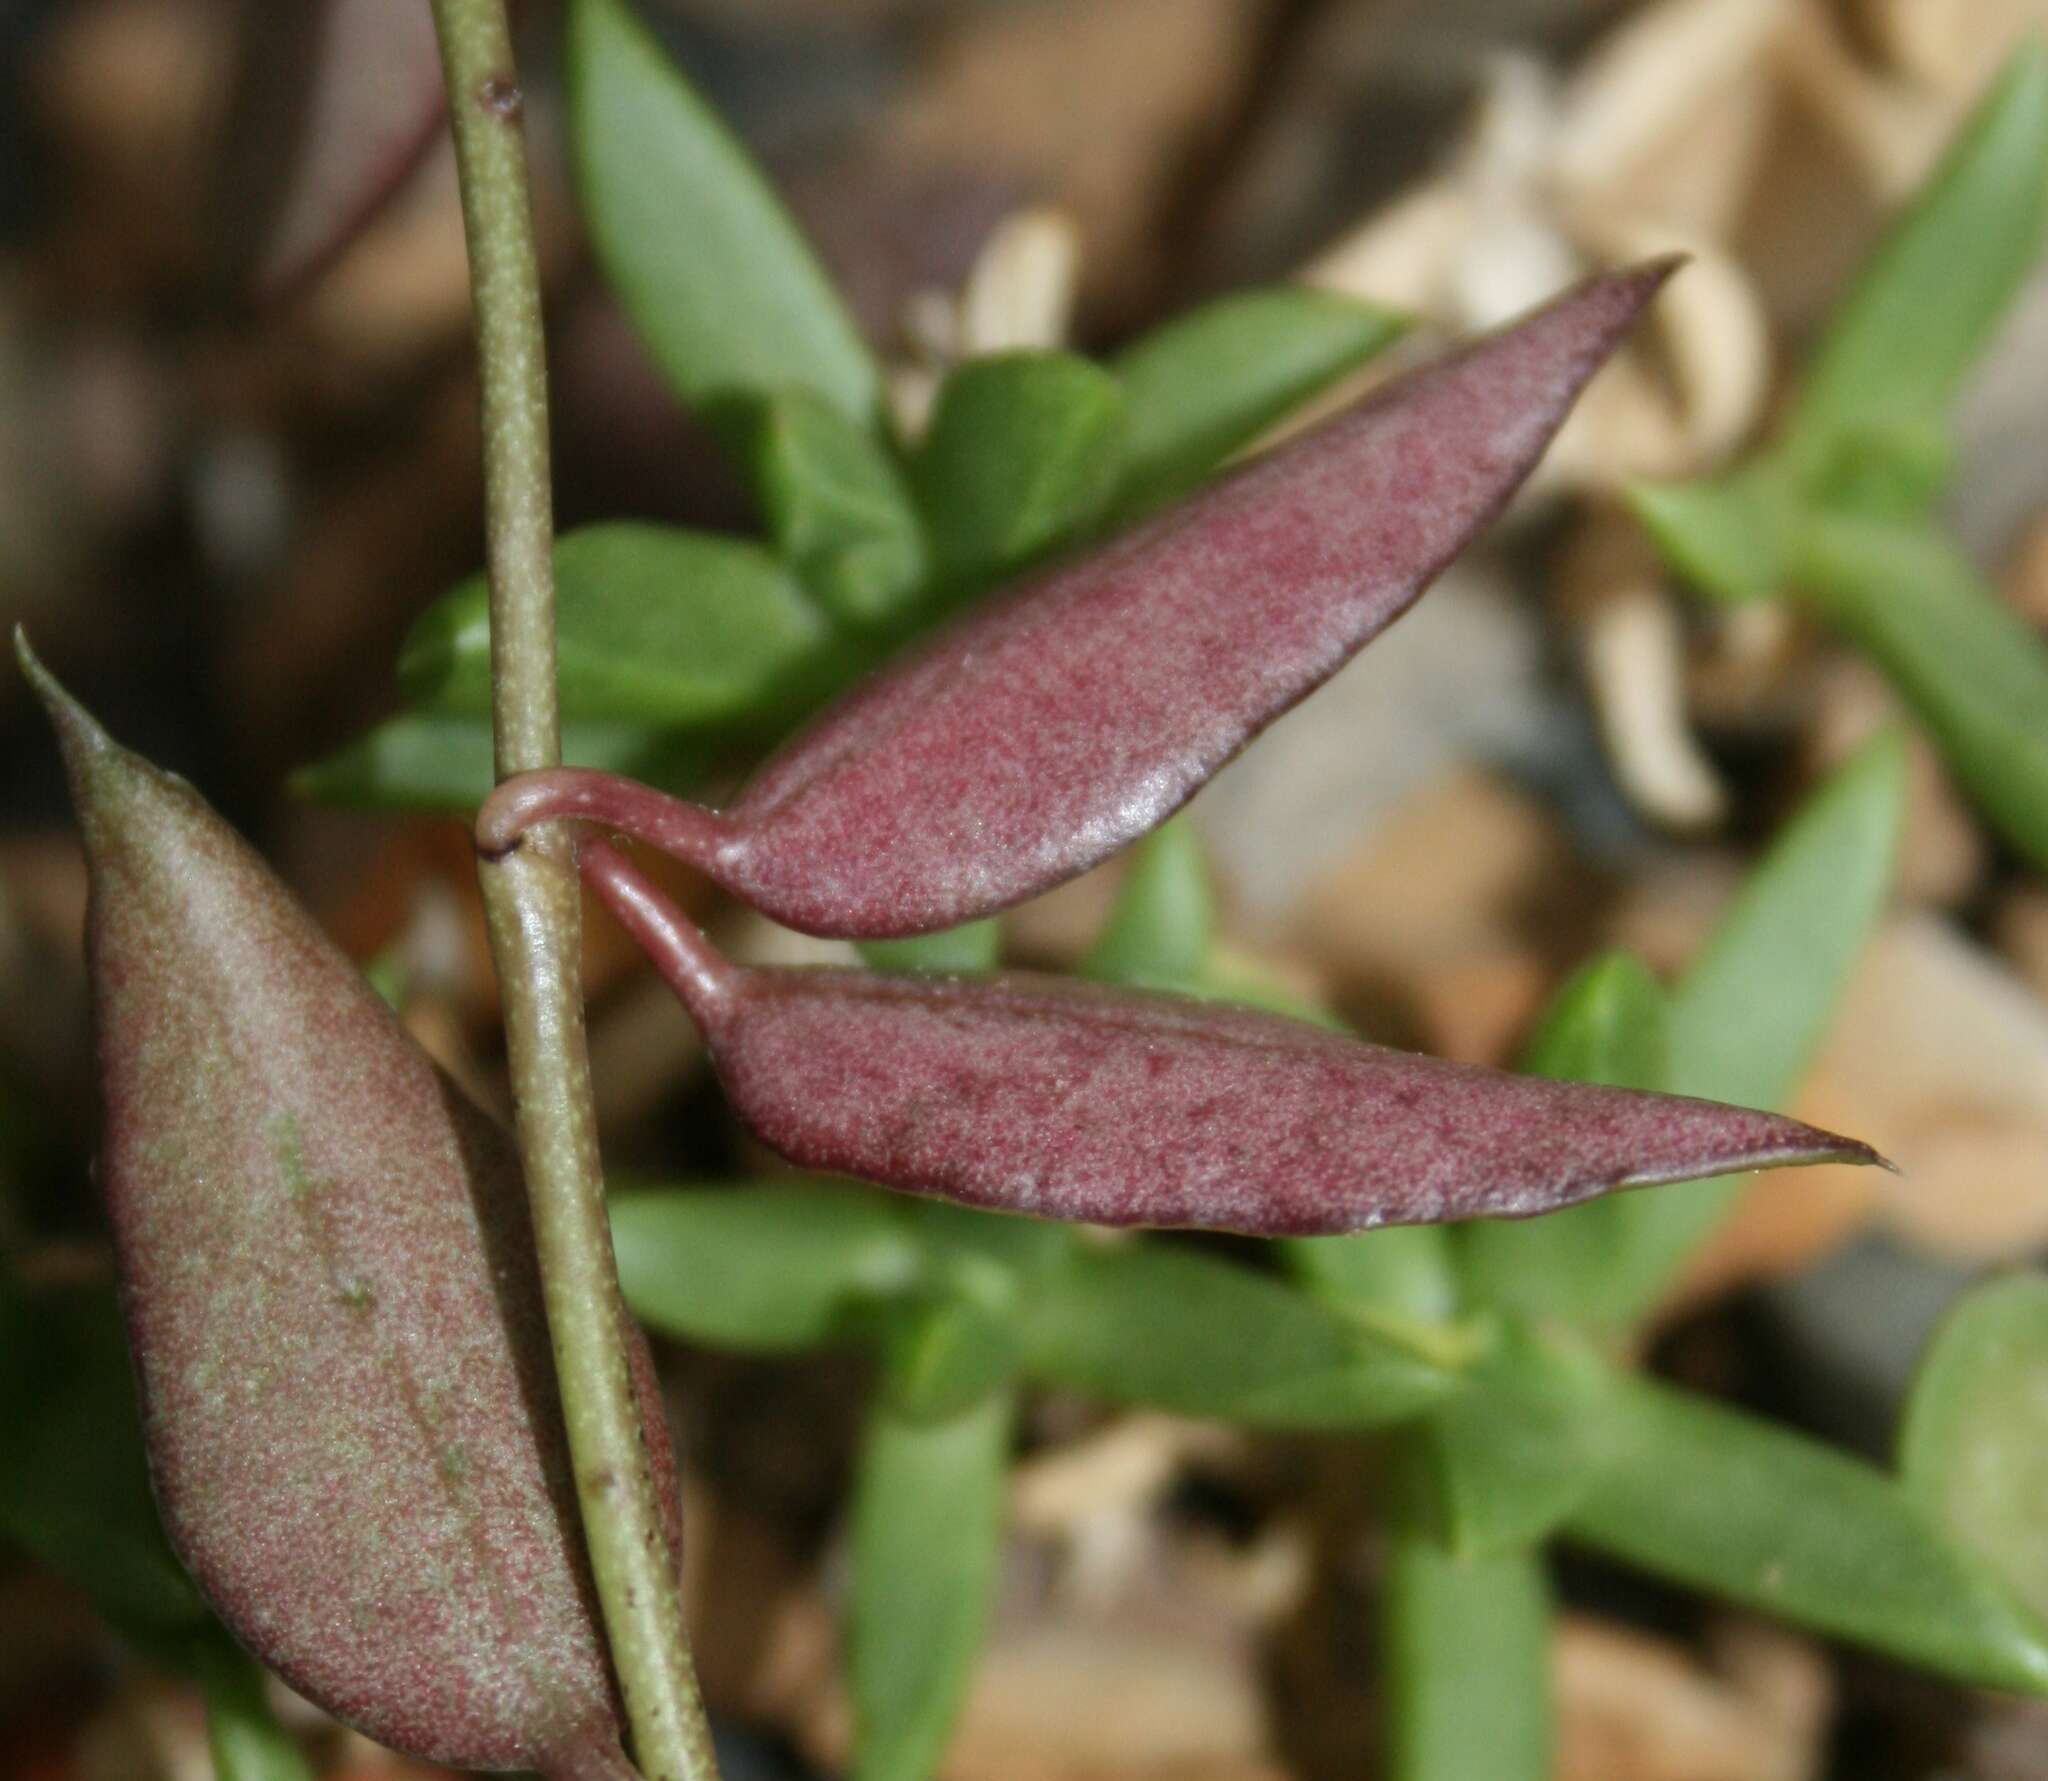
501 97
498 855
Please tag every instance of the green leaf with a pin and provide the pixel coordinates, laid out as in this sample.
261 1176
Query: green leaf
945 1355
423 760
1972 669
1973 1446
838 509
1885 470
927 1532
1930 295
1148 1323
681 629
244 1737
996 1256
1730 537
1467 1653
1607 1025
1515 1454
969 950
1770 1519
1216 378
775 1267
74 1485
1749 1015
1164 917
1746 1020
1404 1269
701 253
1023 452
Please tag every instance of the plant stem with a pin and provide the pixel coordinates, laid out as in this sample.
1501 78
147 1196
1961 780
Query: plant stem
532 903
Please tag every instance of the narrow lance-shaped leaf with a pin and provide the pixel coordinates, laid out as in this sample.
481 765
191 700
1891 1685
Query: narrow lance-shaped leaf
1740 1025
1045 730
1211 381
1921 310
1467 1650
1973 670
927 1531
702 254
1157 1325
347 1392
1071 1101
1762 1516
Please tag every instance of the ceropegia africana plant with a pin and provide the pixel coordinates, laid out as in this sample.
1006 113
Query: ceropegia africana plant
1051 726
329 1285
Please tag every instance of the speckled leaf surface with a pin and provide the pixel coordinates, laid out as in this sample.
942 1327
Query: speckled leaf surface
1068 1100
1018 747
347 1392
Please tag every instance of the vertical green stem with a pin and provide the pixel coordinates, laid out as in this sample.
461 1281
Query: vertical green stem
534 911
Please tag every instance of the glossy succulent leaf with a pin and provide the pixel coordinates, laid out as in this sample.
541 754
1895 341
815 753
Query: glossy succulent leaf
776 1266
331 1298
838 509
683 630
1066 1100
1167 1328
428 760
1973 670
1164 919
1607 1025
242 1733
1210 382
927 1529
1514 1453
1973 1448
1466 1648
1022 452
1928 298
717 279
1043 731
971 949
1761 1516
74 1483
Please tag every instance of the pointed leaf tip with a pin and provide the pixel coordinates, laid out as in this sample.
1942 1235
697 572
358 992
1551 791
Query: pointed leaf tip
1066 1100
80 737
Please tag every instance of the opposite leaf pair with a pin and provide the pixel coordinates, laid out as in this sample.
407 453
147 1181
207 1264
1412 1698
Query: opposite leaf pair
1022 745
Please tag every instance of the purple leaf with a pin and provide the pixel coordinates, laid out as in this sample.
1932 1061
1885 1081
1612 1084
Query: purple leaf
339 102
332 1301
1066 1100
1023 744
